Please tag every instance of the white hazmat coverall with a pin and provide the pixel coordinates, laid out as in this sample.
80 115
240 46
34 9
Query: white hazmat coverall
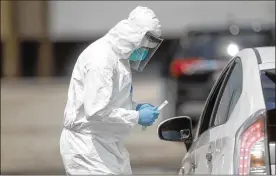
100 113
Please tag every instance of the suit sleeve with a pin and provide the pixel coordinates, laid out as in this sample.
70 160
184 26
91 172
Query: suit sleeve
134 105
98 88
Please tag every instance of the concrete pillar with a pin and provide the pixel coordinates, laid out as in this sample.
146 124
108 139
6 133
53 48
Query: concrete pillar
33 25
45 65
9 37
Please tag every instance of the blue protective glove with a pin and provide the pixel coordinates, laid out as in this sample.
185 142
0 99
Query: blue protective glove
148 115
141 106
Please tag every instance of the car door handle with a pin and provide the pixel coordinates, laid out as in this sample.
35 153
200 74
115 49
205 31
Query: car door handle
183 170
209 156
193 165
192 169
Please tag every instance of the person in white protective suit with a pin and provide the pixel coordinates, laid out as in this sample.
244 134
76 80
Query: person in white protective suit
100 113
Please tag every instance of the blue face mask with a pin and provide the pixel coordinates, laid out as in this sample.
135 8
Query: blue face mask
139 54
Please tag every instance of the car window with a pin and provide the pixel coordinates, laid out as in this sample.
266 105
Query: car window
228 96
210 103
268 79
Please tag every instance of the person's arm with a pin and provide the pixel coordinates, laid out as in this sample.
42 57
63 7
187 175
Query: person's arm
98 88
134 105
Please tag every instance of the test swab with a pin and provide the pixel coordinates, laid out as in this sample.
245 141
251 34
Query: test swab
163 105
159 108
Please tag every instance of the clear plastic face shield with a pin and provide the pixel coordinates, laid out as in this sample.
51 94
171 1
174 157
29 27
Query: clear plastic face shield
141 56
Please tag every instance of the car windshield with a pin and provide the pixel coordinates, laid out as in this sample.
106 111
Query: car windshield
213 45
268 79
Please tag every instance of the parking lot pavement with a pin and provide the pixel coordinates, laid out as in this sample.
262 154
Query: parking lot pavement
31 123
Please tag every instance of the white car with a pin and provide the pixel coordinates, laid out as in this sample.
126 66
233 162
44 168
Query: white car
236 133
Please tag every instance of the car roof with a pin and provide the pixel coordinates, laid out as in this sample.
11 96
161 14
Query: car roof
265 54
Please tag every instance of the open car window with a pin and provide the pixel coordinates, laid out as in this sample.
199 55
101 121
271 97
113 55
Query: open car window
210 102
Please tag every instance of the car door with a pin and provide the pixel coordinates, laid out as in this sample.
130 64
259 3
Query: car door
208 153
225 104
191 163
207 135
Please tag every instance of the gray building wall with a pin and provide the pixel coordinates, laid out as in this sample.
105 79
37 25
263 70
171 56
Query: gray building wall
77 20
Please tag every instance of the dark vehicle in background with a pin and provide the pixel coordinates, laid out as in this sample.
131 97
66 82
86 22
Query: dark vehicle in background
194 62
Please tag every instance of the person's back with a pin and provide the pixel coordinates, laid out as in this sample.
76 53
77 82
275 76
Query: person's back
93 132
99 112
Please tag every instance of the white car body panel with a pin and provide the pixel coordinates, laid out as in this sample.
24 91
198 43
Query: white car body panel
220 140
206 143
268 65
267 54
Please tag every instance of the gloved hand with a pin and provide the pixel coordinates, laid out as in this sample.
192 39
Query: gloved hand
148 115
144 105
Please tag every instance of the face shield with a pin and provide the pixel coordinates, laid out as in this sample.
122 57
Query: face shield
141 56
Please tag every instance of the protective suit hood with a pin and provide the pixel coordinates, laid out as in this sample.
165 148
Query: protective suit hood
126 36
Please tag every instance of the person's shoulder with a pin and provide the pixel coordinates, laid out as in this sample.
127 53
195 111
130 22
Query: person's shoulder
98 56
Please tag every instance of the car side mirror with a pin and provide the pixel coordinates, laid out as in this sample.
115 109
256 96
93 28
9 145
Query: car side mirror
176 129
